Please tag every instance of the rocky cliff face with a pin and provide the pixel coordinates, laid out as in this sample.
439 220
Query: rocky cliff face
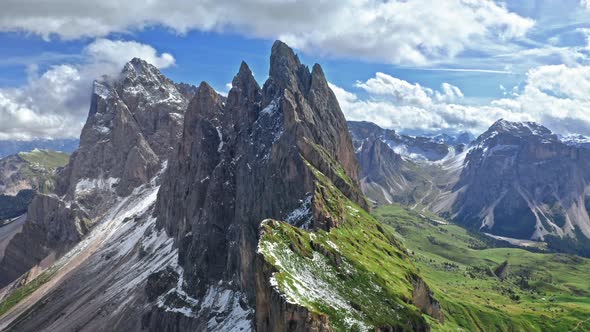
521 181
382 175
51 227
247 159
133 120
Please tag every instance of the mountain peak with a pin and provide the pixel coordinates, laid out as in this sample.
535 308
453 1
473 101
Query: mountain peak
205 89
244 76
286 70
206 100
138 66
282 51
517 129
244 69
318 78
520 128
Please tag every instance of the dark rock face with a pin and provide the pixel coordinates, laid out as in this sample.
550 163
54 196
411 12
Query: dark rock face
248 159
15 206
134 121
521 181
502 270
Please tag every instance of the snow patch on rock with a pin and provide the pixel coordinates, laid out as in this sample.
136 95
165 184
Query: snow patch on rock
88 185
302 216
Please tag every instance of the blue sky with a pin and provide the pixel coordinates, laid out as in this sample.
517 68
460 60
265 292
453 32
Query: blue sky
215 57
416 66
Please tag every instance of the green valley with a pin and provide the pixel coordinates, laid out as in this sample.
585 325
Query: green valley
484 286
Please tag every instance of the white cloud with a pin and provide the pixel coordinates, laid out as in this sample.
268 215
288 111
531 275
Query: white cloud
555 96
449 93
586 33
400 91
408 31
119 52
397 104
55 103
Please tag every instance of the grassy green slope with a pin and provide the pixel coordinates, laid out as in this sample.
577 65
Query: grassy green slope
45 159
358 273
542 292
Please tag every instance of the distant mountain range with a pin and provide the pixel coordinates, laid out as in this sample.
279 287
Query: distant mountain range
8 148
516 180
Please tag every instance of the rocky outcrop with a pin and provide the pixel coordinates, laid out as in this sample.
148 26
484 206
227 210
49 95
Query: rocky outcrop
273 313
248 159
423 298
382 175
12 177
502 270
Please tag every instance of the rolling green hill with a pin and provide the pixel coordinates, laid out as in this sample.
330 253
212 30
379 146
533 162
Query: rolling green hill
45 160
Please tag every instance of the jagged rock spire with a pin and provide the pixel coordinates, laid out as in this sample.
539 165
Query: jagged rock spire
286 71
244 99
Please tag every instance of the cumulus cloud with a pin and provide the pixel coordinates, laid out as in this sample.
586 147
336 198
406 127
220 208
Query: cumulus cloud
553 95
395 31
54 104
118 52
556 96
395 103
